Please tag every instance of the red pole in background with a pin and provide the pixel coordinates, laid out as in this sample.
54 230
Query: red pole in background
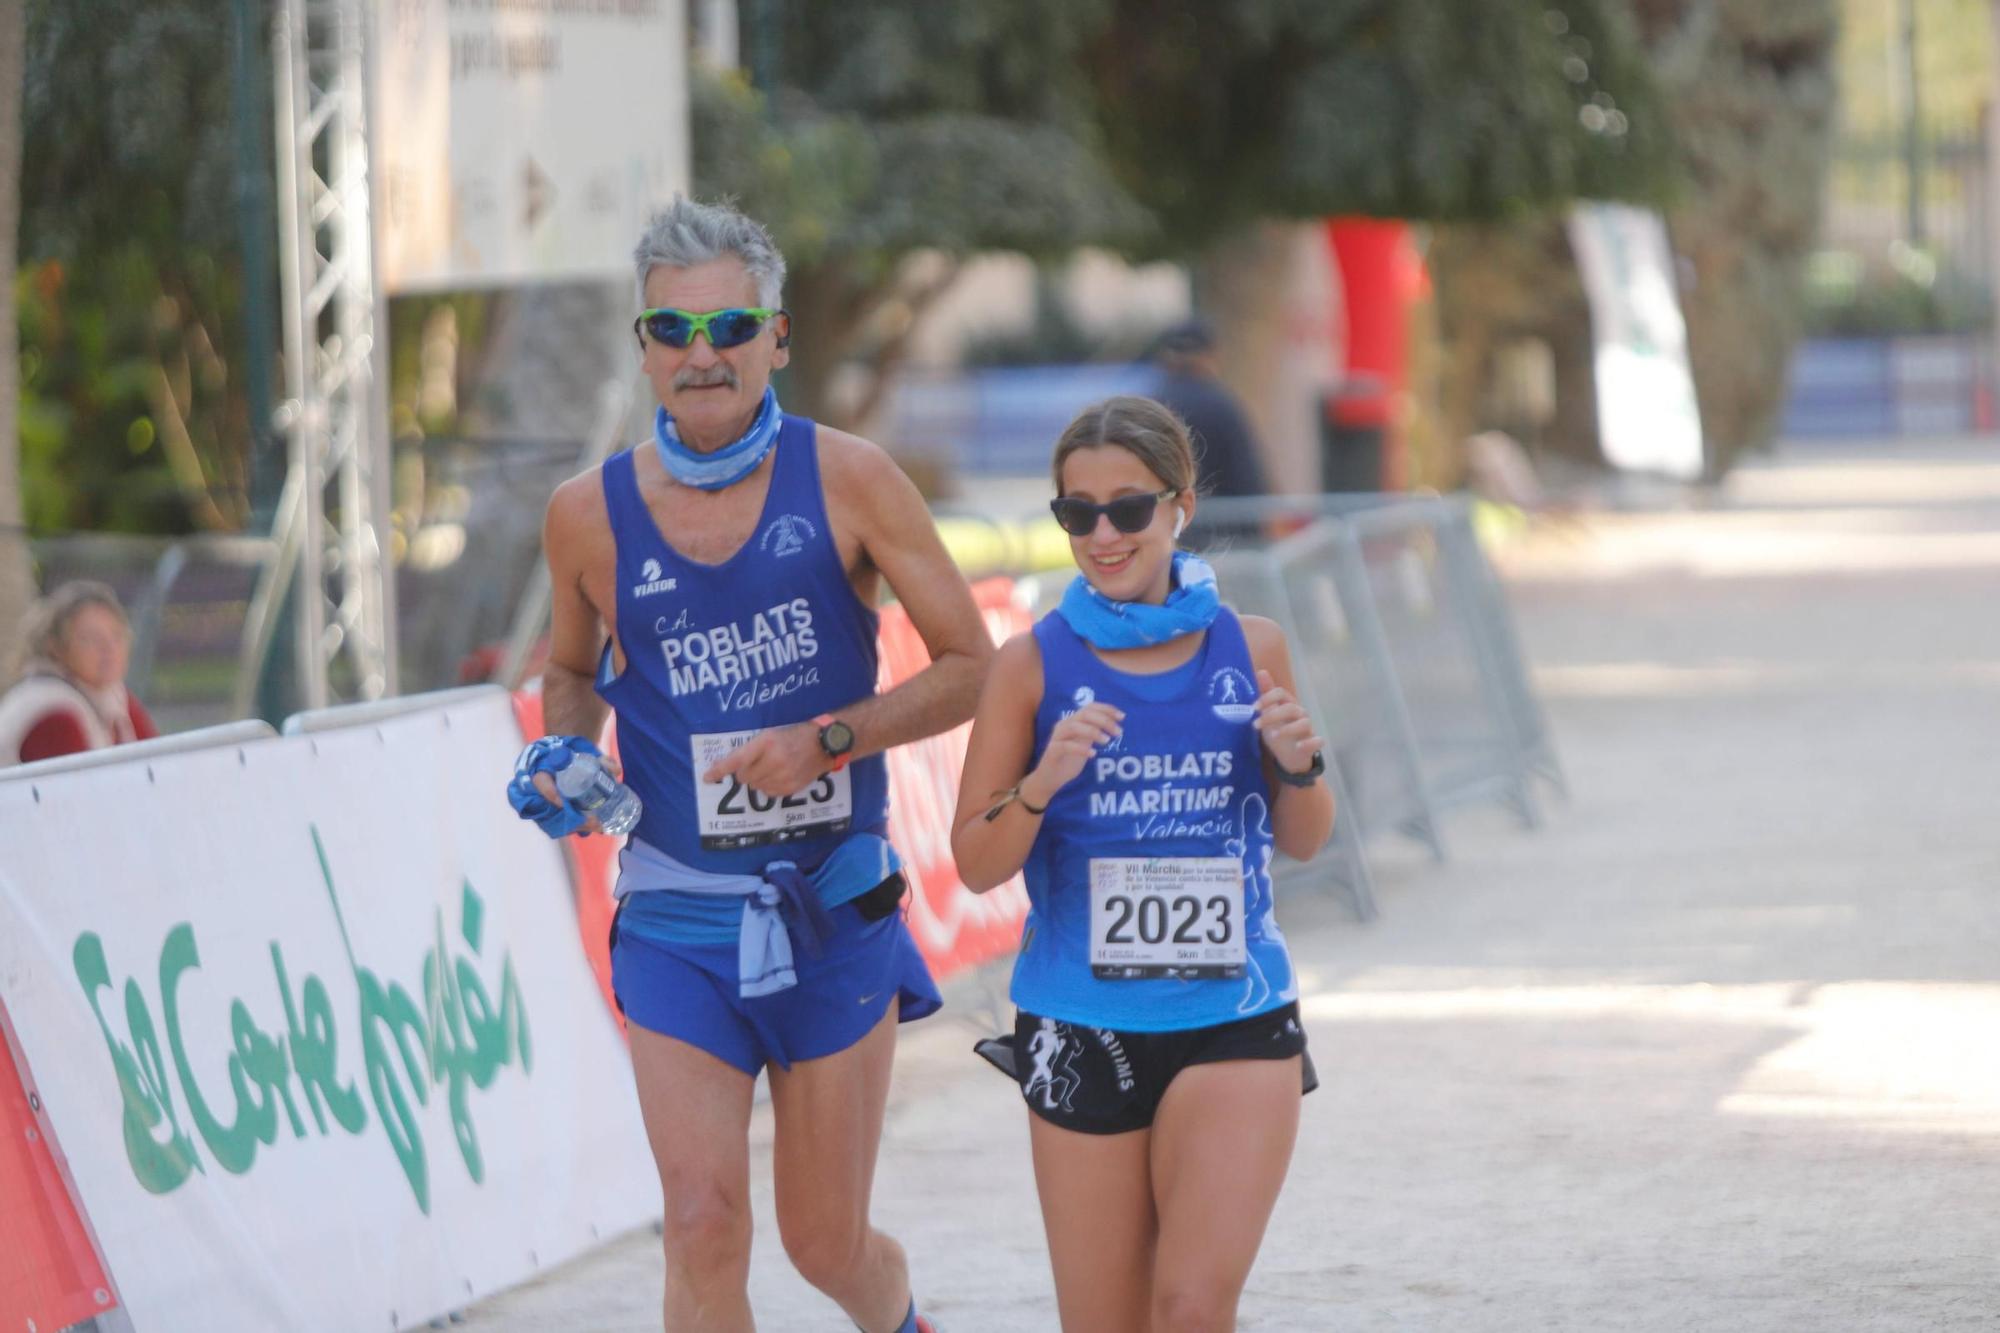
1383 277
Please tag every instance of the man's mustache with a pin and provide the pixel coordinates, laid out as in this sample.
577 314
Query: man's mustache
706 379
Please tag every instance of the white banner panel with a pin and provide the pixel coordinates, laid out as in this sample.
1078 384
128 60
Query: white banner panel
314 1028
1648 418
523 140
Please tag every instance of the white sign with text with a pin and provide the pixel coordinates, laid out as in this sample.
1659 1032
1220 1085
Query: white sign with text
523 140
314 1027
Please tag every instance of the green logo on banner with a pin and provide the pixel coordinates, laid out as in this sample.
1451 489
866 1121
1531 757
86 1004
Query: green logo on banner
459 1039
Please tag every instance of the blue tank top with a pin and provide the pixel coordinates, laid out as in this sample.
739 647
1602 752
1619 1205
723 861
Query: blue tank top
1185 780
714 653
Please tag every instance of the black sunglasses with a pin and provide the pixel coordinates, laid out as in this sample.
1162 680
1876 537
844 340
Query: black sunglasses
1128 513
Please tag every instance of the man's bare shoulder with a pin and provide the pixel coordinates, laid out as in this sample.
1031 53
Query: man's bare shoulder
578 503
858 469
576 530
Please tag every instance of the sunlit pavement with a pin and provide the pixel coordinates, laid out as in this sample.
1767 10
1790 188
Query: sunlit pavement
1716 1048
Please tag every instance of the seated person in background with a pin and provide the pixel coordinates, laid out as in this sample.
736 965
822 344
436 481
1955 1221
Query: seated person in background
71 695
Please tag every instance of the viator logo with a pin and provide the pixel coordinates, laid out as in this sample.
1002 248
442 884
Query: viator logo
650 580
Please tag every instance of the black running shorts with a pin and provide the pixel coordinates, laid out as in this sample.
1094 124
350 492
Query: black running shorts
1098 1081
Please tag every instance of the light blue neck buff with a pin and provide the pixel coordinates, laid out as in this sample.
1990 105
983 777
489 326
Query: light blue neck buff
1103 623
727 465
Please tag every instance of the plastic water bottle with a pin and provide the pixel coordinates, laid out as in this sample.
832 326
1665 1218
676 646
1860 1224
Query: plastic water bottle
591 790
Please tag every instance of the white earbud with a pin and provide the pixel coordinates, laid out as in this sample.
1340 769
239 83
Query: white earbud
1180 521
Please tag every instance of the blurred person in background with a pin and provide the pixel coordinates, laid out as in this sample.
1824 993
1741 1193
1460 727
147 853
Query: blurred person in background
72 696
1225 445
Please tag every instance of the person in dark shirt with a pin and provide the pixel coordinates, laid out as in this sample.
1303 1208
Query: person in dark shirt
1225 446
1191 384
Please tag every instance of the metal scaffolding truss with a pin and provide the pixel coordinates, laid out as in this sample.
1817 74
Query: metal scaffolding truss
333 521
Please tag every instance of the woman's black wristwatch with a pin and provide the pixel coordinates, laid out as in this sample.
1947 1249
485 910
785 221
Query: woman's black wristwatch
1305 779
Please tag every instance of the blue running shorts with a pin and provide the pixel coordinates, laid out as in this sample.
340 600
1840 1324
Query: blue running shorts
689 992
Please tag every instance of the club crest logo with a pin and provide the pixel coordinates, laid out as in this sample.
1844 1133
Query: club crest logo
787 535
1231 696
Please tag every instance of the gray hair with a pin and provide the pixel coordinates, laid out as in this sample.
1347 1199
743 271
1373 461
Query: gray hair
48 620
687 233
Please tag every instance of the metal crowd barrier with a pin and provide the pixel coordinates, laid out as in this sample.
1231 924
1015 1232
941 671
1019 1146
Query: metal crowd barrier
1252 582
1404 649
1486 601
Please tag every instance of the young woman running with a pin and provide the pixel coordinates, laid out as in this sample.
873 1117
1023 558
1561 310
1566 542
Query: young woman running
1139 754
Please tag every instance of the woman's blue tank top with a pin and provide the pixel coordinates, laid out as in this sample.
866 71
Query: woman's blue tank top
1185 779
714 653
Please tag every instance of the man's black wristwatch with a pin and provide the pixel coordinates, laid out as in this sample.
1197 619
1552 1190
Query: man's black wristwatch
836 740
1305 779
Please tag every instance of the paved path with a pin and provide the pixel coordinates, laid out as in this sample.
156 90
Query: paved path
1713 1050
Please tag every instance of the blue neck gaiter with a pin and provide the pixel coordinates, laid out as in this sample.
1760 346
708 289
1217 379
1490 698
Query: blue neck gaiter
1103 623
727 465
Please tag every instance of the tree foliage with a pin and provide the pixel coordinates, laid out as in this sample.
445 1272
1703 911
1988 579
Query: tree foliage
132 414
1748 99
945 127
1477 112
1160 129
896 138
16 587
971 121
1217 116
1753 96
